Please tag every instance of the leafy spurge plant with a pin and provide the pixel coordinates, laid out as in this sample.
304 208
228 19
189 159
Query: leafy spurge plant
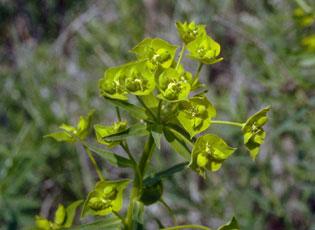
171 103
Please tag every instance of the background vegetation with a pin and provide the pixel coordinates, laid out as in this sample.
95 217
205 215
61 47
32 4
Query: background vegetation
52 54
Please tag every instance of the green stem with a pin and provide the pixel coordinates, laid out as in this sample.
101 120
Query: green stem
127 150
120 217
92 159
196 76
169 210
227 123
137 186
199 69
177 133
146 155
146 107
137 180
181 54
188 226
118 113
159 110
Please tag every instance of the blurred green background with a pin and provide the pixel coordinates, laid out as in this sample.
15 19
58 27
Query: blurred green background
52 53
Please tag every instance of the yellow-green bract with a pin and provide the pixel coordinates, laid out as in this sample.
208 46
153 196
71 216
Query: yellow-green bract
173 86
63 217
205 50
188 32
134 78
106 197
208 153
156 52
71 133
254 134
195 114
103 131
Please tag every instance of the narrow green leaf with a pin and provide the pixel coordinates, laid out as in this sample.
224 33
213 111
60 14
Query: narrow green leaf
133 110
111 157
137 215
70 213
137 130
155 178
177 145
110 223
60 136
147 154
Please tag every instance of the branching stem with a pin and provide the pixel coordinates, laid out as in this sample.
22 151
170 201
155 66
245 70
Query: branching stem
159 110
181 55
118 113
146 107
227 123
92 159
169 210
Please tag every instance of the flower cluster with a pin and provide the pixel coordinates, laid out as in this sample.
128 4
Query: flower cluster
173 104
156 68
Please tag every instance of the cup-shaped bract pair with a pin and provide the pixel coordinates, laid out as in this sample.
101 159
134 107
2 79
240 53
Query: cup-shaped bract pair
103 131
174 85
157 52
106 197
63 217
195 114
208 153
205 49
70 133
254 134
134 78
188 32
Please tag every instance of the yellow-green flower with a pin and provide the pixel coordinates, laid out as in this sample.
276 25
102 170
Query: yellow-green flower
156 52
139 80
195 114
209 152
71 133
173 85
112 84
205 50
103 131
254 134
134 78
188 32
106 197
